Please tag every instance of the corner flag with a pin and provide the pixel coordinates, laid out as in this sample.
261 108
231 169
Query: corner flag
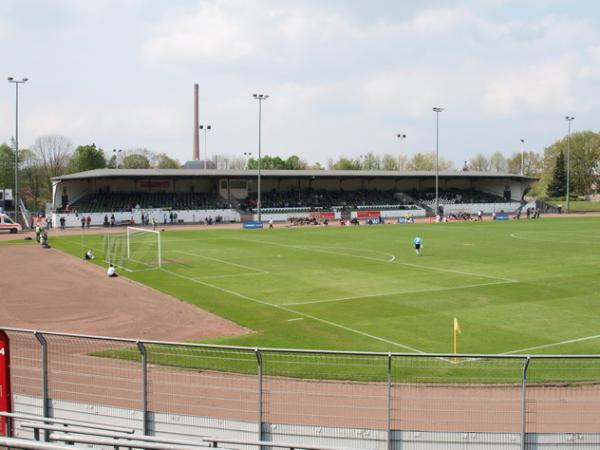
456 326
456 332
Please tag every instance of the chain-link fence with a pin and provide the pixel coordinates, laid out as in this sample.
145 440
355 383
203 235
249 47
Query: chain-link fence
349 399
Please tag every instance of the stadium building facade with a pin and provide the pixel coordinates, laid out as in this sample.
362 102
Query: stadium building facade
231 195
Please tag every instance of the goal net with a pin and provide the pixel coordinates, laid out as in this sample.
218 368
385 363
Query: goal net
135 250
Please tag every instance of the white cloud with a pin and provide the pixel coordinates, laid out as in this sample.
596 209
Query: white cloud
536 87
220 30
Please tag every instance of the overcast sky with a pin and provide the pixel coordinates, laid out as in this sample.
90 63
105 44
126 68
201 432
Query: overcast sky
344 77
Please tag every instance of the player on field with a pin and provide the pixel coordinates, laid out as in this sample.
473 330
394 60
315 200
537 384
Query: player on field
418 243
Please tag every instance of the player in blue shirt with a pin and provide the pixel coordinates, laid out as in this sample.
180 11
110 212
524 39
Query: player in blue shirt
418 243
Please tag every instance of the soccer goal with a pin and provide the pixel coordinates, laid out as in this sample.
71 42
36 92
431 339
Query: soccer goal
135 250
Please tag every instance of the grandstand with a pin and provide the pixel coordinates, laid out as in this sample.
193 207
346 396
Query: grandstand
197 194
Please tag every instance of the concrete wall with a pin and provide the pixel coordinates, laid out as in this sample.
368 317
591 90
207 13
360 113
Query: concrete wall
192 428
191 216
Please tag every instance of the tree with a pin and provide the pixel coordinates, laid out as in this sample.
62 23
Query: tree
558 185
498 162
34 188
389 162
584 161
533 164
479 163
112 162
87 157
136 161
344 163
426 161
163 161
7 166
371 162
295 163
52 152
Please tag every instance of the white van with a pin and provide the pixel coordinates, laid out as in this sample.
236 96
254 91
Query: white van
7 224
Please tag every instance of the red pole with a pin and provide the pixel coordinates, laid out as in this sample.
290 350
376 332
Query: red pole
5 404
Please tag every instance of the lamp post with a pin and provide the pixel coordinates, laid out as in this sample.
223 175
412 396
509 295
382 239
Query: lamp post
16 194
569 119
117 154
260 98
205 128
247 155
522 156
437 110
401 137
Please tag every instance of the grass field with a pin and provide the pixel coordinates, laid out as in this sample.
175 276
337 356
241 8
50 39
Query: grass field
515 286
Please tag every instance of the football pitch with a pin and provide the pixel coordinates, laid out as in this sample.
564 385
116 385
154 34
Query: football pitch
516 287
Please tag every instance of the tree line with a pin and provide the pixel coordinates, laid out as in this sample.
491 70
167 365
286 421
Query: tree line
54 155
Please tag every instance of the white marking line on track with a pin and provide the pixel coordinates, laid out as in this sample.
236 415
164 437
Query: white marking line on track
416 291
435 269
284 308
294 320
222 261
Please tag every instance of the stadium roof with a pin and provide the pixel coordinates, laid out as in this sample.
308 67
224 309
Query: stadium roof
192 173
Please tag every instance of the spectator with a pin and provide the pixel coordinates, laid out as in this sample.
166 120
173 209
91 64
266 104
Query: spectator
111 272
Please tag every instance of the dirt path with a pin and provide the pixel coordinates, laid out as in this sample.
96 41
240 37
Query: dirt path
49 290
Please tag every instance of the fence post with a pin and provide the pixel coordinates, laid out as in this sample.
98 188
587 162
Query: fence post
524 402
260 392
144 355
45 405
389 402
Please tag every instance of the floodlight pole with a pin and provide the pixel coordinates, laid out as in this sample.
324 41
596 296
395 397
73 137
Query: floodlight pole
16 193
522 157
260 98
205 128
437 110
401 137
247 155
569 119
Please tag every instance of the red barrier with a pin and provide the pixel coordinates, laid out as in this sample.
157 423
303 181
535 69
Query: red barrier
4 380
368 214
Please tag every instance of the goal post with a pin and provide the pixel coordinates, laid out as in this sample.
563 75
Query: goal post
144 246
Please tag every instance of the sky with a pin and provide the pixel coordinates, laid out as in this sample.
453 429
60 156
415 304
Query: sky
343 77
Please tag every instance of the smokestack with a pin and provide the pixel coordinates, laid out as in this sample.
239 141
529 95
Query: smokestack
196 155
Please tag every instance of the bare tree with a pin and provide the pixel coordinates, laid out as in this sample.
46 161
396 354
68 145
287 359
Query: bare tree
52 153
498 162
426 161
479 163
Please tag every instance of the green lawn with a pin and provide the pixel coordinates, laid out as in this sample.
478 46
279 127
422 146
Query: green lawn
583 206
515 286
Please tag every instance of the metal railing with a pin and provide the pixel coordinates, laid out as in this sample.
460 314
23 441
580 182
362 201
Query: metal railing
335 398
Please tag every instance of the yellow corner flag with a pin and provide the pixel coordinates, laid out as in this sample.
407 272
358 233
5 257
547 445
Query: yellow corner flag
456 332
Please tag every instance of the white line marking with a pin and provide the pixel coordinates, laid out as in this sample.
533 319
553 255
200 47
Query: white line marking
556 344
555 241
284 308
222 261
435 269
232 275
416 291
297 318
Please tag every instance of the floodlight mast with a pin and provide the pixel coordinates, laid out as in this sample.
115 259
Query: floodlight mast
569 119
522 156
16 193
437 110
260 98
